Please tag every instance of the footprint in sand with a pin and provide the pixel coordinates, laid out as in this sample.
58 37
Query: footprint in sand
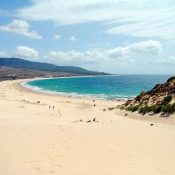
36 169
51 172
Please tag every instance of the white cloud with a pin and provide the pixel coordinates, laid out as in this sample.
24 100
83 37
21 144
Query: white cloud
96 56
75 57
140 18
169 60
144 47
122 55
20 27
26 52
57 37
3 55
72 38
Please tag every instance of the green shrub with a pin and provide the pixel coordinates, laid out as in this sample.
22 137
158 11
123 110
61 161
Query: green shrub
111 108
133 108
145 109
122 108
167 100
169 108
156 109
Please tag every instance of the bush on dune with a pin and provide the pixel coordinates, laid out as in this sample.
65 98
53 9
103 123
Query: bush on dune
168 109
133 108
167 100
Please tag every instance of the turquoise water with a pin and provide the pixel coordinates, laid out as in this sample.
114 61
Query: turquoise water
110 87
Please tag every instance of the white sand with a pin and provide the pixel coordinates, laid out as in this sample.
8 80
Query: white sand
36 139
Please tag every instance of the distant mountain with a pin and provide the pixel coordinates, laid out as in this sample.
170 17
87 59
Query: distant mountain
38 66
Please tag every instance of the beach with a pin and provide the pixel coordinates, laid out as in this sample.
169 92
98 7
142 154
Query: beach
49 134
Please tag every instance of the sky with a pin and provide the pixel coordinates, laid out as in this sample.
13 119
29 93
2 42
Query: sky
114 36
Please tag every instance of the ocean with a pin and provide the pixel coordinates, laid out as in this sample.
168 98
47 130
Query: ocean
102 87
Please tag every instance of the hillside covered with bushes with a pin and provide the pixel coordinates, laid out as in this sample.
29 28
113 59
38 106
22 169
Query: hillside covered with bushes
161 99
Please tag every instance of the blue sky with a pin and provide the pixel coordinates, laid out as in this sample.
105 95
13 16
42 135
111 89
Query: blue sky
116 36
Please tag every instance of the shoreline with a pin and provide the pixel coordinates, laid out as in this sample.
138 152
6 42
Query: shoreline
22 85
156 118
109 103
71 94
112 103
44 134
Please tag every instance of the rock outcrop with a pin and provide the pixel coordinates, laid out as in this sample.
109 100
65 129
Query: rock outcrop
161 99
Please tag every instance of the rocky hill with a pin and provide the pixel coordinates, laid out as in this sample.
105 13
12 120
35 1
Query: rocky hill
16 68
161 99
18 63
9 73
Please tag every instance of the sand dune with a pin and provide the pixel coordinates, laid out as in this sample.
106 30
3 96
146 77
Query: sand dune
43 134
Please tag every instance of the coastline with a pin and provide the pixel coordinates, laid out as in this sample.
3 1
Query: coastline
107 89
51 134
73 95
115 102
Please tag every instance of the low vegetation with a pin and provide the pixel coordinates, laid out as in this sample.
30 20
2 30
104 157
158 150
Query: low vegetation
167 108
161 99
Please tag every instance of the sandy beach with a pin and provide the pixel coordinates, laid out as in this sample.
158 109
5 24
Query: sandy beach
42 134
